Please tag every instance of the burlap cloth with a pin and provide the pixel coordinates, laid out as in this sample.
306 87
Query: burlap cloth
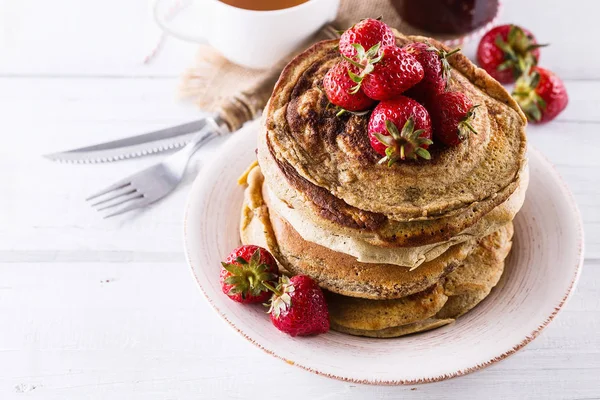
213 79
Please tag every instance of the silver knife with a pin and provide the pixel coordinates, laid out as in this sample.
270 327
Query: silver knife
140 145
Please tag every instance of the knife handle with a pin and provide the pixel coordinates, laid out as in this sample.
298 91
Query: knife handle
249 103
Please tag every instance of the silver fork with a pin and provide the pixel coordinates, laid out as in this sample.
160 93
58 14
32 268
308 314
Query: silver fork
153 183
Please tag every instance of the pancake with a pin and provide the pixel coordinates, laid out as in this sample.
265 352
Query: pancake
441 299
375 315
343 274
323 154
457 293
408 257
337 272
427 239
470 283
395 331
340 221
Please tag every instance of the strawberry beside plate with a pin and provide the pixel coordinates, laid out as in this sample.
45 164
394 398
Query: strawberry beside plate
540 275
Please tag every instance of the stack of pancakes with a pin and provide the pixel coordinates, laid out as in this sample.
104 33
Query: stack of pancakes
398 249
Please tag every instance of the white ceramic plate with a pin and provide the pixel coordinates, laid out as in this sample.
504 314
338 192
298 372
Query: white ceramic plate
540 275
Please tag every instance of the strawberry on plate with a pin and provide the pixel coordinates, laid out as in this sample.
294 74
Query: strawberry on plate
244 273
435 66
298 307
506 51
339 88
400 129
390 74
366 33
452 114
541 94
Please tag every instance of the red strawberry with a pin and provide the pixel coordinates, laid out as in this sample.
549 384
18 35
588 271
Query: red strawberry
541 94
366 33
435 66
244 273
452 114
339 88
390 74
506 51
298 307
400 129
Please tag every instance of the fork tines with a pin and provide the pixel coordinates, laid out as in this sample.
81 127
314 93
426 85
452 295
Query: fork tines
120 194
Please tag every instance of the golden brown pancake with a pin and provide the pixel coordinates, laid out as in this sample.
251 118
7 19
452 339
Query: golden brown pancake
470 283
374 315
343 274
477 221
329 158
441 299
395 331
336 272
456 294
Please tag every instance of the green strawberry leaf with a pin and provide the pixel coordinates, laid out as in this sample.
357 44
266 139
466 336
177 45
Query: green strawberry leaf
421 152
393 129
372 52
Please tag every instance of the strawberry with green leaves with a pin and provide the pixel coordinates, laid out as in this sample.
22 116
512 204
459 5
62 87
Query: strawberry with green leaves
452 115
366 34
436 70
298 307
386 72
246 274
400 129
541 94
507 51
339 86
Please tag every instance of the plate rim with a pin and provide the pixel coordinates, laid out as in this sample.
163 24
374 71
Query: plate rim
397 382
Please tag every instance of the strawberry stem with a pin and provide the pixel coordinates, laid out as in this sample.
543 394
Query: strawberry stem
271 288
526 96
407 143
466 123
364 61
456 50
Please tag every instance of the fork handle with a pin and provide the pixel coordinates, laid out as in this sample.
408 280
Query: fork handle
200 138
181 158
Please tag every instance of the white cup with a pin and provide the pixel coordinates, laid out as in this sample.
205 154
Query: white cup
254 39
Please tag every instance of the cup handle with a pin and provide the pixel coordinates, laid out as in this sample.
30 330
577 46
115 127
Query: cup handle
167 28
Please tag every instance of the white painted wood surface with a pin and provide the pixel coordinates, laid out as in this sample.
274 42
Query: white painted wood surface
95 309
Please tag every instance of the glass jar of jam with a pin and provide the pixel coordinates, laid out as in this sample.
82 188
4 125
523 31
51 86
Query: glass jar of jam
447 16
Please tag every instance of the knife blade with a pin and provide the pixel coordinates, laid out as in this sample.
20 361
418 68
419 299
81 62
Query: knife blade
135 146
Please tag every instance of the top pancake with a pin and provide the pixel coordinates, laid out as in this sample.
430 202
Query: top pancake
333 153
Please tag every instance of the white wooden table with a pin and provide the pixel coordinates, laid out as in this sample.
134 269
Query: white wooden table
107 309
